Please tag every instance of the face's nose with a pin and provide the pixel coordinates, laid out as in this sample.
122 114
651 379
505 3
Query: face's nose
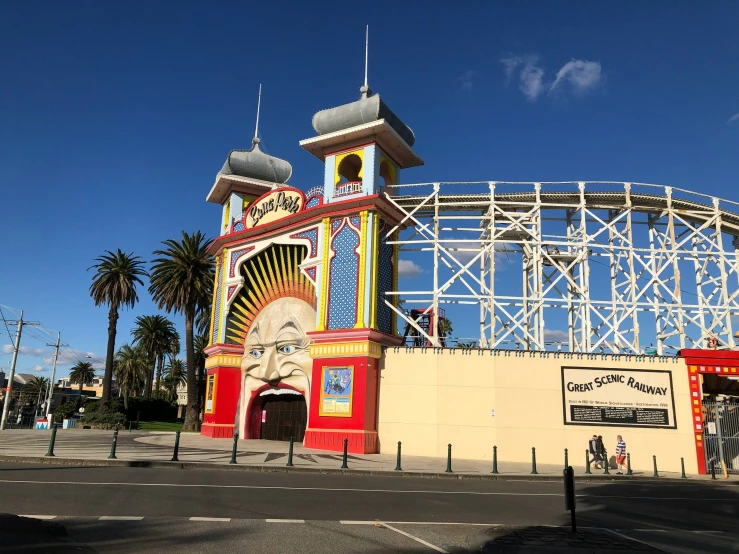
271 371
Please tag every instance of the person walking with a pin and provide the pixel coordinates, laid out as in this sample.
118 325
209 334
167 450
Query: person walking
601 450
593 447
620 454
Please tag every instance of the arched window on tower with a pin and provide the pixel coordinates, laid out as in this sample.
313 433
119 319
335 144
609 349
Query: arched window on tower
350 169
388 174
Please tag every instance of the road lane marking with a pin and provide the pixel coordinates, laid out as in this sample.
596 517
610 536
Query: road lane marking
210 519
285 520
423 542
628 537
37 516
350 522
324 489
120 518
651 530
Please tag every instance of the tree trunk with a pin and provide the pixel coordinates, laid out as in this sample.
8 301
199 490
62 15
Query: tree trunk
125 400
160 363
108 376
150 377
192 416
79 398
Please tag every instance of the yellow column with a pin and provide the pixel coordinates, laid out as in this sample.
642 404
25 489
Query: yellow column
324 274
362 268
375 269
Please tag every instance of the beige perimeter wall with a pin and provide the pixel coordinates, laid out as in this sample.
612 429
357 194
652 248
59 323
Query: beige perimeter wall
429 399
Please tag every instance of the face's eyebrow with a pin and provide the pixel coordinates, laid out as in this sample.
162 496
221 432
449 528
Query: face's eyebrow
254 331
291 323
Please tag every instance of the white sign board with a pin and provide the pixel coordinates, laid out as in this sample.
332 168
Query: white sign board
618 397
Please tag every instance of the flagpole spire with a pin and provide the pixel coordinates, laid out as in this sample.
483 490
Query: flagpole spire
365 90
255 140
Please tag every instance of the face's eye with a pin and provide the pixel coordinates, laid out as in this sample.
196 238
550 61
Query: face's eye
287 349
256 353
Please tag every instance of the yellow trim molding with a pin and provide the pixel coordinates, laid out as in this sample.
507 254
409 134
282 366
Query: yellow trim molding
222 360
346 349
321 326
359 324
340 157
375 269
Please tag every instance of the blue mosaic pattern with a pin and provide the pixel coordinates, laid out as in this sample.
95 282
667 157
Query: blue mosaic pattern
312 236
335 224
239 226
342 308
384 315
313 202
355 222
235 255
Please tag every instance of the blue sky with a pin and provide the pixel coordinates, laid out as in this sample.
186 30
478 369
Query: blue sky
114 121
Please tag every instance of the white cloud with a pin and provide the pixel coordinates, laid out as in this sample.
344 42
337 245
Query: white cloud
733 118
37 368
555 335
8 349
581 76
576 76
466 79
408 269
531 76
69 356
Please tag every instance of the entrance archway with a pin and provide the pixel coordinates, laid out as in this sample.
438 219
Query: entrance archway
278 417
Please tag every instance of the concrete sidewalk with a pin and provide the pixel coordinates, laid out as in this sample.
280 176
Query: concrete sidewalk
82 445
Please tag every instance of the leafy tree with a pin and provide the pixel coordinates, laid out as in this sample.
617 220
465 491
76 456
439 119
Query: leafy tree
131 367
114 284
81 374
154 334
182 281
445 329
201 343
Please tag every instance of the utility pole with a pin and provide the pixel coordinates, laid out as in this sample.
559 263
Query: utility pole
53 375
6 406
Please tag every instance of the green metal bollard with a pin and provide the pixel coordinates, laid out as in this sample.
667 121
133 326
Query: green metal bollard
50 452
290 453
495 460
605 462
628 465
587 462
449 460
567 462
233 450
682 465
533 461
397 465
654 459
112 446
176 447
344 465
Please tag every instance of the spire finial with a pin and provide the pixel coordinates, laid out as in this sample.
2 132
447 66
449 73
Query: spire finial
255 140
365 90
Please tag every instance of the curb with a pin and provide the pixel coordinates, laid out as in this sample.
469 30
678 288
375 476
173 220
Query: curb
198 466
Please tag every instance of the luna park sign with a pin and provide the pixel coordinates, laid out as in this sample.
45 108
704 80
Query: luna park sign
273 206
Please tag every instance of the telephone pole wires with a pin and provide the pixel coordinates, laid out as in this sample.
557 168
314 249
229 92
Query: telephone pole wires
20 323
53 375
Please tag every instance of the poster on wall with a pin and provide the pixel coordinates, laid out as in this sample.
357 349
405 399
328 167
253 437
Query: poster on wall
210 391
337 385
618 397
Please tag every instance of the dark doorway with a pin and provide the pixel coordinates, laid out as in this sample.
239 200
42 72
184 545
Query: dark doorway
283 416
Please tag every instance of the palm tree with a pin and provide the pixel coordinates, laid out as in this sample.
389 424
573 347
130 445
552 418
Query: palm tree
154 334
131 367
114 284
35 389
81 374
174 374
182 281
444 327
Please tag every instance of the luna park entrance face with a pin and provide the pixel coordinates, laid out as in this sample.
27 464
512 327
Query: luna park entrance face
282 416
721 436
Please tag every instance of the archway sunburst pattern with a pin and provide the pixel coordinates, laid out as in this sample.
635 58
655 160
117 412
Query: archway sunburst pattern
273 273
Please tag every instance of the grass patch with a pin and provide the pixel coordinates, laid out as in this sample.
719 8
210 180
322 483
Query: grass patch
172 426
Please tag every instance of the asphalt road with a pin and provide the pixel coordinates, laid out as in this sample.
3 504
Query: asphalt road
317 513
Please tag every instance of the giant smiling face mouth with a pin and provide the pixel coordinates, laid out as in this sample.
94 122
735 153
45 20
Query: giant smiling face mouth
276 352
